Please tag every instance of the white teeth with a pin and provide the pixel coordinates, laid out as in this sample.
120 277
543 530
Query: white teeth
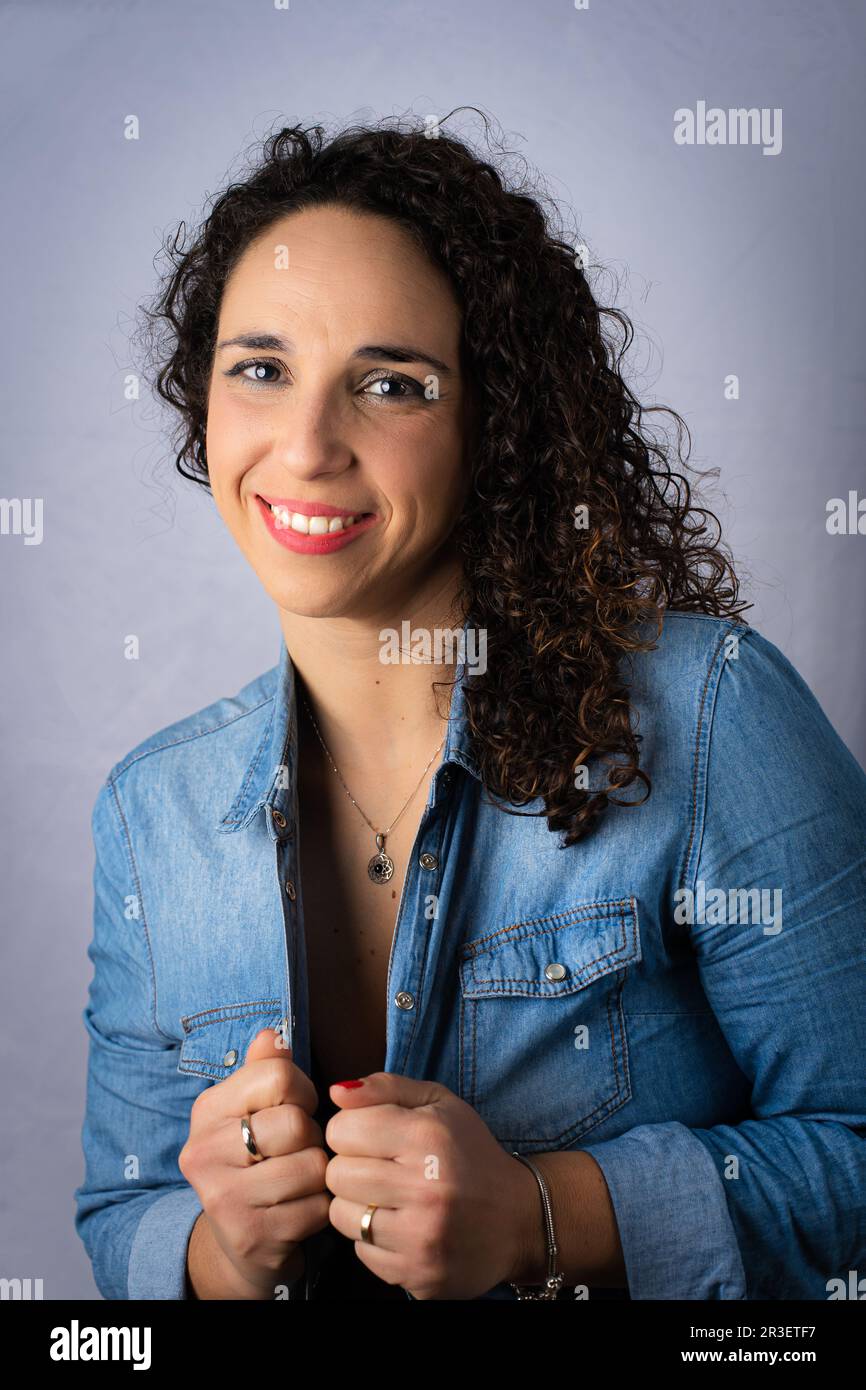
310 525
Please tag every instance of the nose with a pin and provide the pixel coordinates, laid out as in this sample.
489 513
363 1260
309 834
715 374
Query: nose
312 439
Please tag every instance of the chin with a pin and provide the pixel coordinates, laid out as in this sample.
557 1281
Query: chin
308 605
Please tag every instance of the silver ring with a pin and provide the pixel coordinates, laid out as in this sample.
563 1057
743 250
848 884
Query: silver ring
249 1141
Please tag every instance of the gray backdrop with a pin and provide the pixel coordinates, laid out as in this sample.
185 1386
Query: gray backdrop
730 261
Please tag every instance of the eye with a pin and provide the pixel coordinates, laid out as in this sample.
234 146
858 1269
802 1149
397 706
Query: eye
396 387
257 365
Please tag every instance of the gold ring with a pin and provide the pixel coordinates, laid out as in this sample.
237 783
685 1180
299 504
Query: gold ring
366 1223
249 1141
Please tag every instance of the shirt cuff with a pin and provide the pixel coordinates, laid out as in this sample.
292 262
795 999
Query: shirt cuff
675 1229
157 1259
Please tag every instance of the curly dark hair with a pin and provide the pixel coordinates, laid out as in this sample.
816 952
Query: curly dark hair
555 429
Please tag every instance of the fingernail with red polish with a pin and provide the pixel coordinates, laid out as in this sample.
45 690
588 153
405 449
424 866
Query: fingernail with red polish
348 1084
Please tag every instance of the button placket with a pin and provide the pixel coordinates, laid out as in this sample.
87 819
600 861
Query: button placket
404 999
287 880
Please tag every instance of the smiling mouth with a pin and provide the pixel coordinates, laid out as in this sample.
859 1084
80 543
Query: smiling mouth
287 520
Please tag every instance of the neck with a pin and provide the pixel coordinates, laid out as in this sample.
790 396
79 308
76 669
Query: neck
381 722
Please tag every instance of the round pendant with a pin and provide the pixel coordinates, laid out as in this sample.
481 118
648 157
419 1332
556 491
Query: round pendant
380 867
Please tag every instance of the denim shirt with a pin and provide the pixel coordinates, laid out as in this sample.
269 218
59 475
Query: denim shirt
682 993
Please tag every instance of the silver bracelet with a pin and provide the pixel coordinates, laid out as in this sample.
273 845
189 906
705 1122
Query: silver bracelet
554 1281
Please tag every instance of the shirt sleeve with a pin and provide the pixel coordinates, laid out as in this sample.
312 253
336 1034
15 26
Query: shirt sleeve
773 1207
134 1210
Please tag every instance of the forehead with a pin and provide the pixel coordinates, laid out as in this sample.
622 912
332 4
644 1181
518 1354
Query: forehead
335 262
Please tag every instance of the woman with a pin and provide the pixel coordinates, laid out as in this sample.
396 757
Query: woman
584 832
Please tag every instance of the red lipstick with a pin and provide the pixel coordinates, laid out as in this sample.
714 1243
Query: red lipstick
303 544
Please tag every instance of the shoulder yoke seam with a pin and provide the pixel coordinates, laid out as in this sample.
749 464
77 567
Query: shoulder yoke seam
705 721
187 738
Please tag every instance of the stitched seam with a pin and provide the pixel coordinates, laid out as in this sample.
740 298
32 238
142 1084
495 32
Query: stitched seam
288 925
669 1013
581 910
473 1052
187 1062
251 1007
576 984
187 738
697 757
413 1027
437 878
623 1033
254 765
615 1004
474 1071
619 1059
586 1122
203 1062
698 848
701 617
611 1030
140 900
602 1110
518 980
595 1117
582 980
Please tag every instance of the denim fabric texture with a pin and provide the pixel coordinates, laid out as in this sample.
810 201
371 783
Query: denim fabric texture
682 993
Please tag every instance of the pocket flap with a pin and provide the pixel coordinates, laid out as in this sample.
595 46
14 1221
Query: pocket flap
545 957
216 1040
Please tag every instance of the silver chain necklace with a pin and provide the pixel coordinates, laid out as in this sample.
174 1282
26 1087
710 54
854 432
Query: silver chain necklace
381 866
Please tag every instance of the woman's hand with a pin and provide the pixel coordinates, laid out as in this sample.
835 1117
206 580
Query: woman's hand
258 1212
456 1213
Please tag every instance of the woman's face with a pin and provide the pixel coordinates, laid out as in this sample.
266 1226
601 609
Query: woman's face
345 391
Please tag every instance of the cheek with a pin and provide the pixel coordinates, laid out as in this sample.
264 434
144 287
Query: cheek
425 475
225 451
443 490
219 423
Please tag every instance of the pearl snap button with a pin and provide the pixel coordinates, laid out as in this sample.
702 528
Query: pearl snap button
429 861
404 1000
230 1058
555 971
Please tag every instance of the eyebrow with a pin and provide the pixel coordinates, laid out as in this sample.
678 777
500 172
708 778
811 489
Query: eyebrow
391 352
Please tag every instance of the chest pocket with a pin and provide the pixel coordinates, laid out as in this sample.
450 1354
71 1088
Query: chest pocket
216 1040
543 1046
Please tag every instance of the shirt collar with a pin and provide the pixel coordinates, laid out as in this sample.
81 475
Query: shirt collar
269 778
